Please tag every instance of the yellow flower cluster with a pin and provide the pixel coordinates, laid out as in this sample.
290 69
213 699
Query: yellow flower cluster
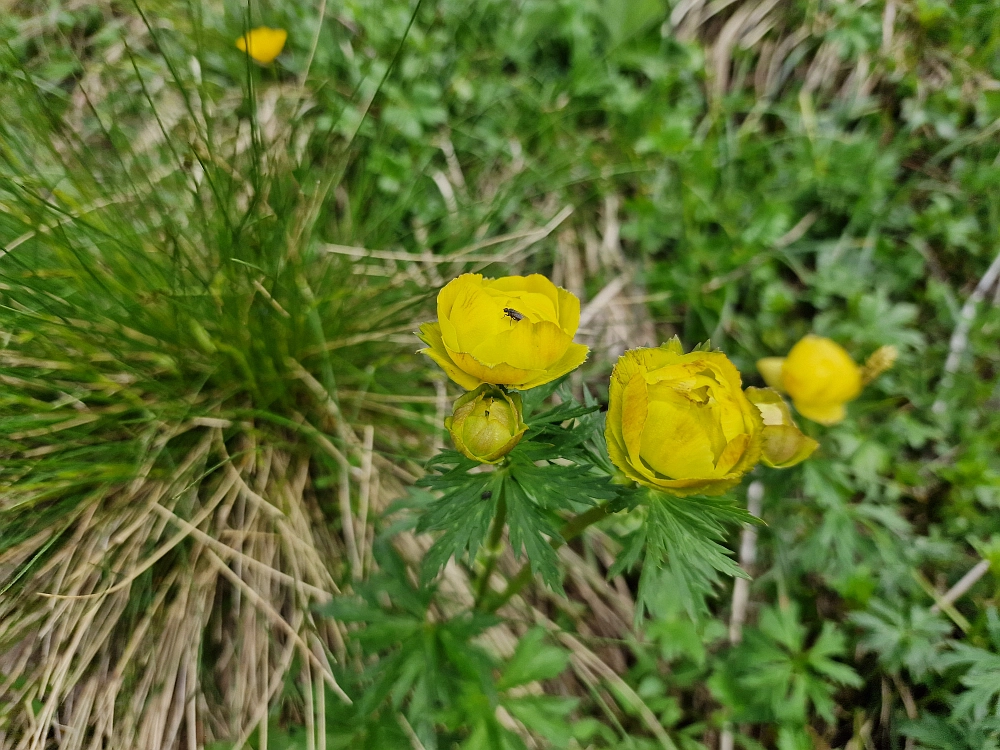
682 423
677 422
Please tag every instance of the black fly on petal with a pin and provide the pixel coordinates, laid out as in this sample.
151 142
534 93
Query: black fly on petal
513 314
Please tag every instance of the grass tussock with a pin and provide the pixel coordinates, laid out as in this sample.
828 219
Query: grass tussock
187 446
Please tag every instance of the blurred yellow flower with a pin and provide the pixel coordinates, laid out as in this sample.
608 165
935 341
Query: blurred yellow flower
680 422
515 331
486 424
783 443
263 44
819 376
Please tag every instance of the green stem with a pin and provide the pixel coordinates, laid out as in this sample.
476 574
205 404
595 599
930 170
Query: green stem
577 524
570 530
494 544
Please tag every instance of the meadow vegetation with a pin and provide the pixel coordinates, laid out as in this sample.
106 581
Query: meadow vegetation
221 464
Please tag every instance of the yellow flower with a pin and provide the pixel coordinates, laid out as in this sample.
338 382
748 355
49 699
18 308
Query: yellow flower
263 44
819 376
783 443
515 331
487 423
680 422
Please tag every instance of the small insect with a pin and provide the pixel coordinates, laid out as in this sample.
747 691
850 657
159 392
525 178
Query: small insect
487 495
513 314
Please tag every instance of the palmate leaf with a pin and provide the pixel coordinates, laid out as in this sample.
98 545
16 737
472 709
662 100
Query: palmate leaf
684 538
559 486
982 681
937 733
774 675
534 398
530 530
426 664
463 512
912 638
533 660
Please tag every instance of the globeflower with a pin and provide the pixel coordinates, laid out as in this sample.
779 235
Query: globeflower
263 44
821 377
783 444
680 422
515 331
487 423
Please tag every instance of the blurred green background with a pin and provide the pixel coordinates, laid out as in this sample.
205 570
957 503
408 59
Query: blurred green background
741 171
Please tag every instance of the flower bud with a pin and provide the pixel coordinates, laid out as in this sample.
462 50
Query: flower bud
783 444
486 424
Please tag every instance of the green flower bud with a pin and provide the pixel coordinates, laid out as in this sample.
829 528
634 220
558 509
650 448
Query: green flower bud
486 424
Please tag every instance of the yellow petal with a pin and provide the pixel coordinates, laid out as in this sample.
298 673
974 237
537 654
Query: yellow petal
533 284
263 44
635 405
499 374
526 345
706 487
626 367
449 292
732 454
819 371
677 439
537 308
826 414
773 409
534 297
569 312
576 355
770 370
468 314
430 334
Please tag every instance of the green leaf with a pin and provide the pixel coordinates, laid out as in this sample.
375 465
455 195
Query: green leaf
463 512
528 528
533 660
545 715
627 18
684 536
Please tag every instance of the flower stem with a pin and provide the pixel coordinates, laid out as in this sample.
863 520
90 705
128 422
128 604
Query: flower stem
570 530
494 544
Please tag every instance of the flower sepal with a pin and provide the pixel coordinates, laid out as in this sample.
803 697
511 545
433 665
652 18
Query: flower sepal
783 444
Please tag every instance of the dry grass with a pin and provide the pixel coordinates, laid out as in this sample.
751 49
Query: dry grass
762 46
146 630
